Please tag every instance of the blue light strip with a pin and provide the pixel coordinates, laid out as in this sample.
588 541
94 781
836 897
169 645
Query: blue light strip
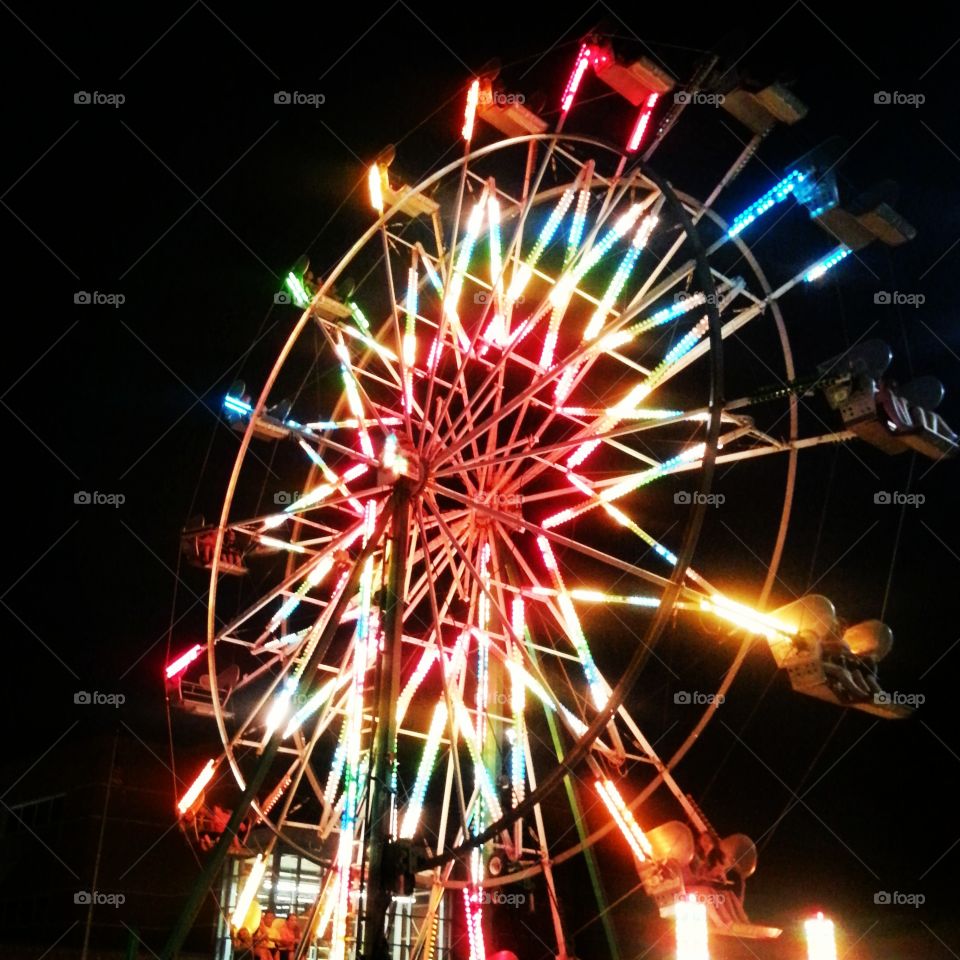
776 194
829 261
237 405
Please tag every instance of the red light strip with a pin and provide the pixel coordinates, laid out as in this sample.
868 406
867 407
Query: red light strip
643 121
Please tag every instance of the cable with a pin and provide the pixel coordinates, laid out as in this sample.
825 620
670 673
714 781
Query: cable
823 515
793 801
896 539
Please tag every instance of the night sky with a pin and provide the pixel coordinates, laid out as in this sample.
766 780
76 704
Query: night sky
191 199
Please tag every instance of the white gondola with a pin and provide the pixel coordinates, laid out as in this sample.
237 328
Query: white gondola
759 110
711 868
891 418
825 660
635 81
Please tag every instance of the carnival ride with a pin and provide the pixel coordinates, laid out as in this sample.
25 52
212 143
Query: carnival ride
534 350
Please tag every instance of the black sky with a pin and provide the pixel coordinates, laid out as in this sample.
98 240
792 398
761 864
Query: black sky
192 199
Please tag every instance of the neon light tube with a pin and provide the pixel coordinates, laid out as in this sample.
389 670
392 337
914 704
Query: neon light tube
358 316
574 631
517 702
690 917
470 112
480 771
369 342
678 309
413 684
568 282
375 184
281 544
624 819
639 393
250 887
427 761
196 788
237 405
522 277
573 84
280 707
432 274
743 616
452 299
643 120
298 291
595 596
312 705
776 194
821 943
576 227
827 263
471 900
410 337
184 661
619 280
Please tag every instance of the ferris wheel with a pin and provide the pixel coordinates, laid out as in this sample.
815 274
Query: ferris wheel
498 442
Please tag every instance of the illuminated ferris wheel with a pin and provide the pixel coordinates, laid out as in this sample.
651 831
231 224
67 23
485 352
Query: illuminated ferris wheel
498 446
